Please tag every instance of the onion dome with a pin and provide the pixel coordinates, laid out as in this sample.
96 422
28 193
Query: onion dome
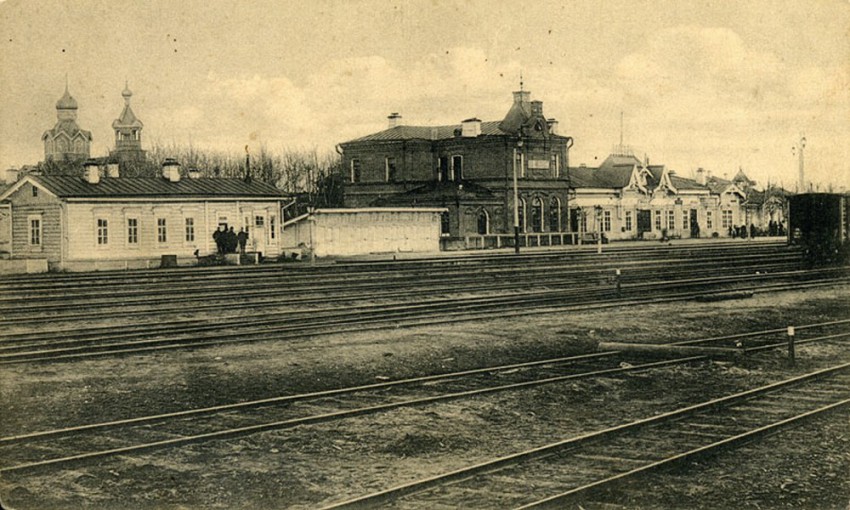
66 102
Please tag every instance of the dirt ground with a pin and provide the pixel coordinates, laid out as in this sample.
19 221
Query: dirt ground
309 466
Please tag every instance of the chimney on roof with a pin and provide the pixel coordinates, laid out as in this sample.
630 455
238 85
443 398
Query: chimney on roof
522 97
553 126
11 175
394 120
701 177
471 127
537 107
171 170
112 170
91 172
194 173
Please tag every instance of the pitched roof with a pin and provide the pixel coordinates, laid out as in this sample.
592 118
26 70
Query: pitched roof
65 186
127 119
683 183
425 133
611 177
69 127
717 185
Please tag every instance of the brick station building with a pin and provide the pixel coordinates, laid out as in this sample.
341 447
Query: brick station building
468 168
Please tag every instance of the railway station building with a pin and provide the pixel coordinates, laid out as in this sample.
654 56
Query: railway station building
100 220
625 198
468 169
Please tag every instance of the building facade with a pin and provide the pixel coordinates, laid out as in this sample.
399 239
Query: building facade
469 170
66 142
103 221
626 199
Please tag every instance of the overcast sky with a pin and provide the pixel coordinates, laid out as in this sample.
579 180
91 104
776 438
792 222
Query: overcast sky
701 84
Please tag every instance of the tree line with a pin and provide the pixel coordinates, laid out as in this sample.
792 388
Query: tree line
315 178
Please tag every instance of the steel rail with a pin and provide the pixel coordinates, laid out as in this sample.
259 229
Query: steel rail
418 380
355 266
332 316
393 493
343 324
565 285
178 292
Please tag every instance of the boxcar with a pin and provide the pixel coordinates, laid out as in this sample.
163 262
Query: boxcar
818 222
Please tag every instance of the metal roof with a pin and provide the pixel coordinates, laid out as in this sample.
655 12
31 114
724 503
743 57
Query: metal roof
65 186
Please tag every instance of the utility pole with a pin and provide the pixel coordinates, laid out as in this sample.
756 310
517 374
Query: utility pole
516 195
802 177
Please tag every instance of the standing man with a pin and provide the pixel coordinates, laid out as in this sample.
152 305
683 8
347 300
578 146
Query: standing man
243 239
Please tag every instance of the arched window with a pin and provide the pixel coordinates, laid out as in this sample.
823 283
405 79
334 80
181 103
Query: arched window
445 223
521 211
555 215
483 222
536 215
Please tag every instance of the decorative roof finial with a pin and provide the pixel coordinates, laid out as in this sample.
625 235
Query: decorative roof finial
520 81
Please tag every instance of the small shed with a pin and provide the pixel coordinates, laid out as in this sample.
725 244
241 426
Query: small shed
361 231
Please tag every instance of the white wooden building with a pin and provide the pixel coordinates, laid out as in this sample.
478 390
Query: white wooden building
108 222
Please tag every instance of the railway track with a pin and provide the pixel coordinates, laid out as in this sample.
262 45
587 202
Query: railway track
88 442
475 261
21 302
567 472
44 346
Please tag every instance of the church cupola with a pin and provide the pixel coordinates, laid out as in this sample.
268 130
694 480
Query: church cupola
66 141
128 132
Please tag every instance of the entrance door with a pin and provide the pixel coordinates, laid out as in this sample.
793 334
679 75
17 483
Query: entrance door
258 235
644 222
694 223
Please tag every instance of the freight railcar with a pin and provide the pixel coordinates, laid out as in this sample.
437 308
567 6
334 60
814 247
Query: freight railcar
819 223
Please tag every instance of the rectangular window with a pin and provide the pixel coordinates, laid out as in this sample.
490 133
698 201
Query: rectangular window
628 221
726 218
161 230
556 165
190 230
671 220
102 231
272 226
708 221
443 172
34 191
658 220
583 221
685 220
259 221
35 231
606 221
132 231
390 169
457 168
355 170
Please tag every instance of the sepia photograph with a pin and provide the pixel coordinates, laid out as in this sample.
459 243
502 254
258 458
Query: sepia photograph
424 254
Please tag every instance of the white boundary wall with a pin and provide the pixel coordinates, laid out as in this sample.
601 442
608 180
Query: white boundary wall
347 232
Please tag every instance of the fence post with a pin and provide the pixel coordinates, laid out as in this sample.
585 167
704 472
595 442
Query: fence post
791 353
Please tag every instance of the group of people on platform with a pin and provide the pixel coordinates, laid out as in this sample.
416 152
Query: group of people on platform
774 228
228 241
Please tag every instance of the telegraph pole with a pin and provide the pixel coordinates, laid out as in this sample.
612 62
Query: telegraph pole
802 177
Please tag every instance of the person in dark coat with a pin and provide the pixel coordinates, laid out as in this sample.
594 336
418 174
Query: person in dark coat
218 237
230 241
242 237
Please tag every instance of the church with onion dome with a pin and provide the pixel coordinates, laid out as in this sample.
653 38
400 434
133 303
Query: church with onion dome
66 141
128 133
